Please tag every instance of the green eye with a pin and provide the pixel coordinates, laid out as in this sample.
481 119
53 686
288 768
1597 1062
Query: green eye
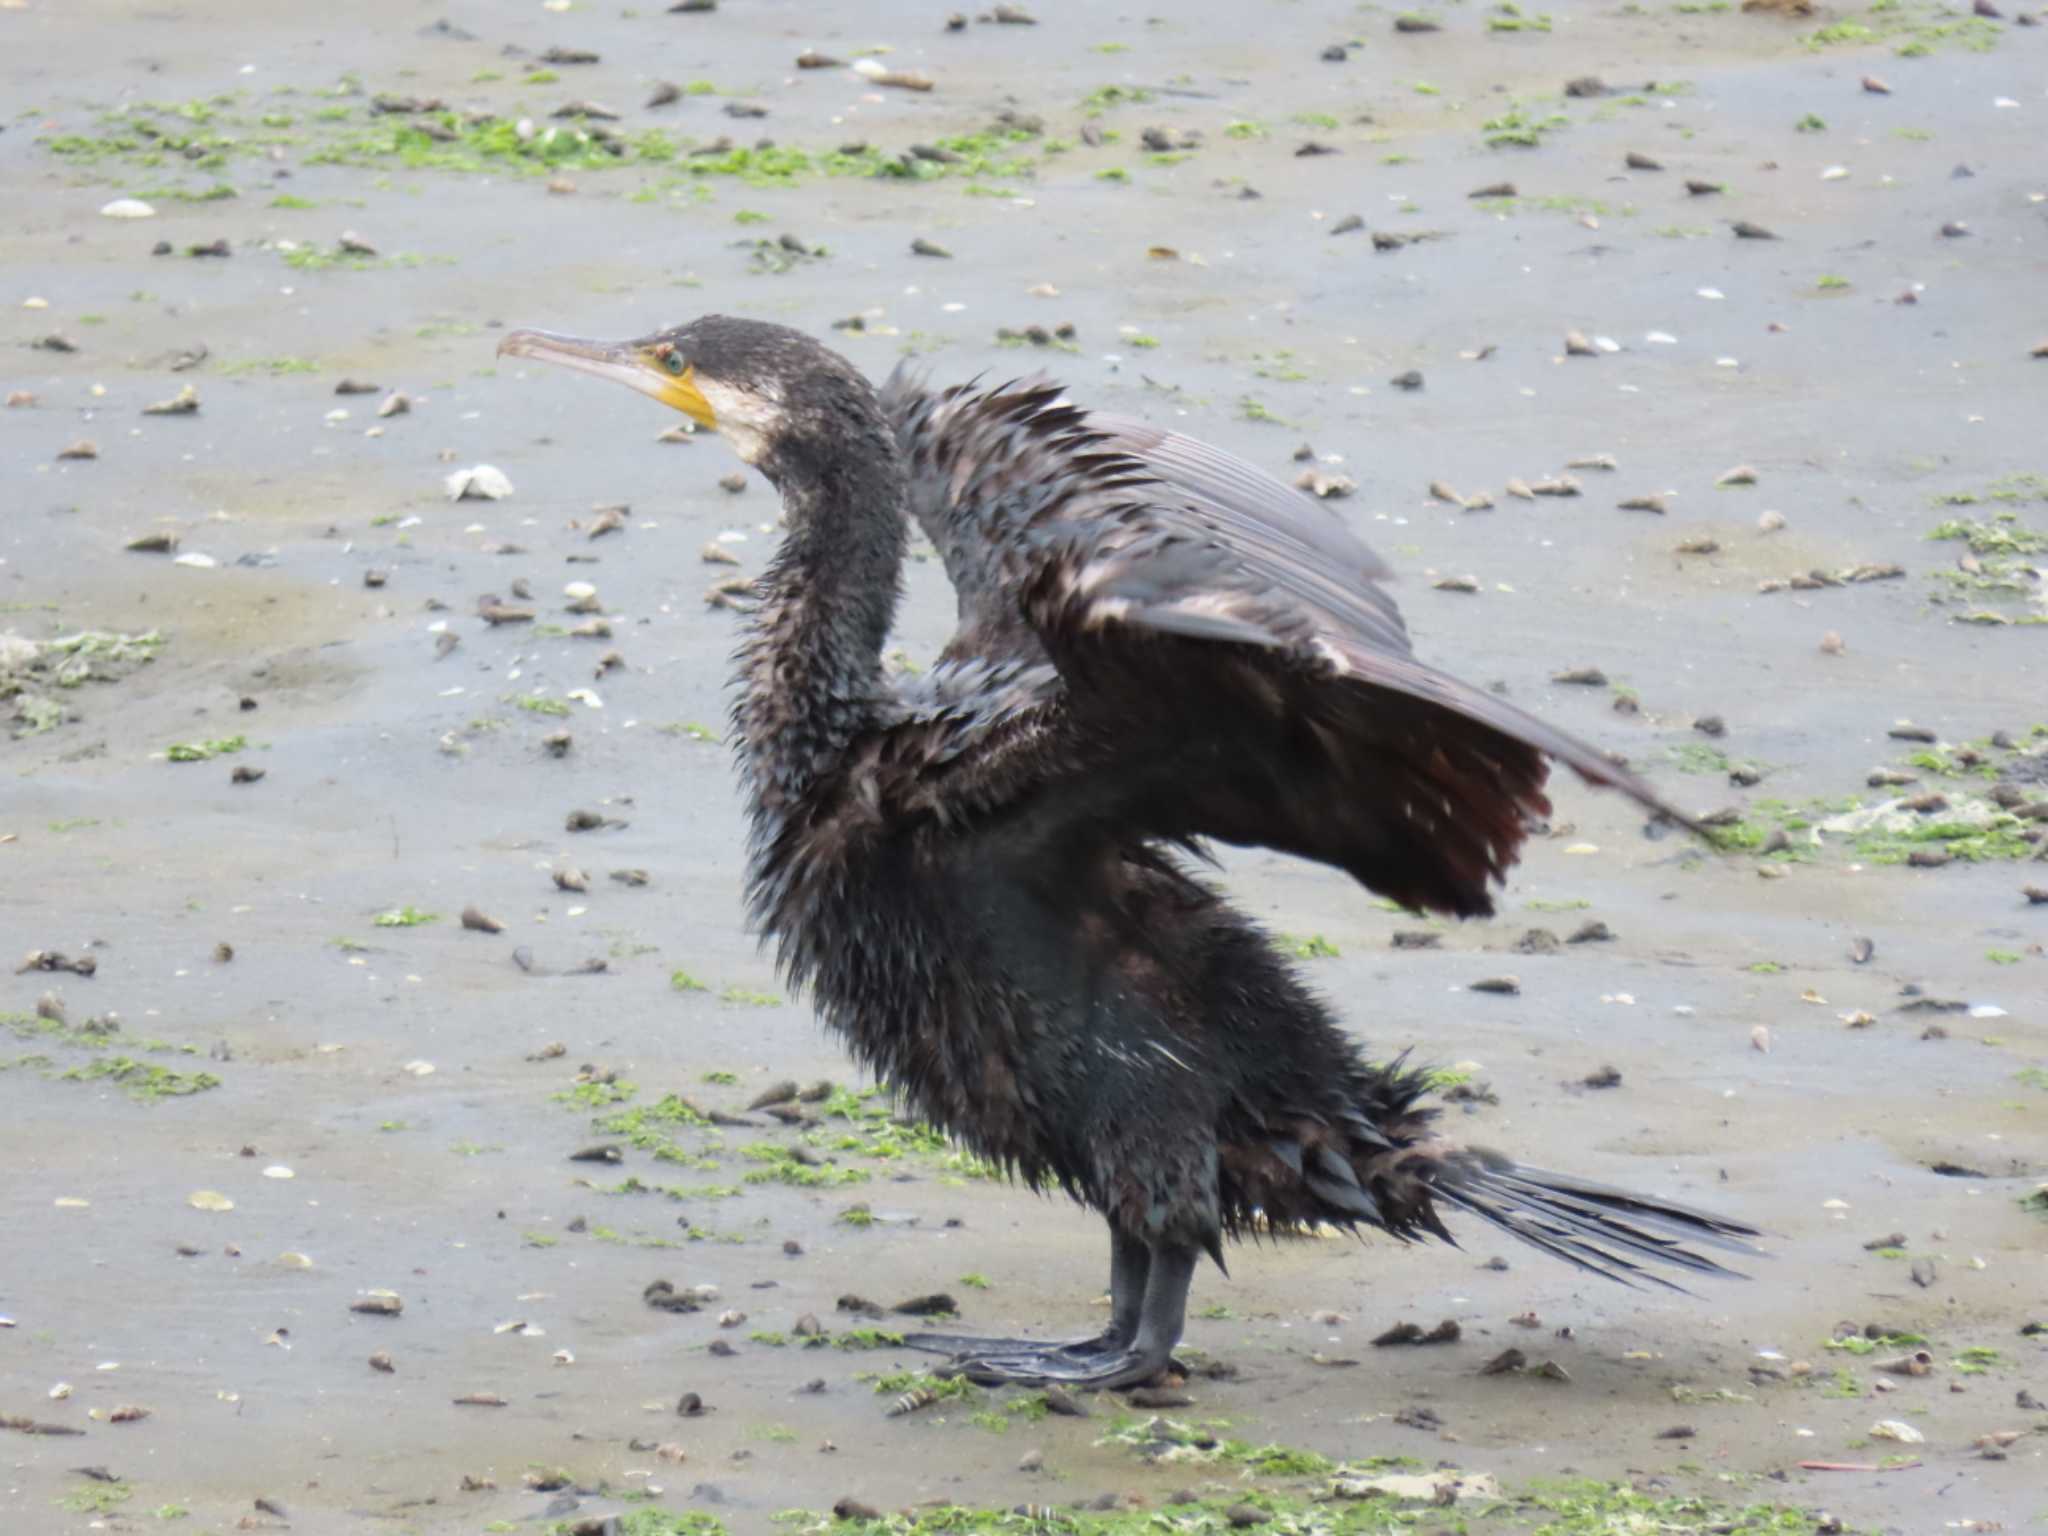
673 362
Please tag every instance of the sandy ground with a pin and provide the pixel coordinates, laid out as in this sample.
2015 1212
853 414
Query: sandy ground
391 1070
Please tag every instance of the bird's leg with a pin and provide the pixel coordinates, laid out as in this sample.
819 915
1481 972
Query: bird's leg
1130 1268
1129 1263
1128 1363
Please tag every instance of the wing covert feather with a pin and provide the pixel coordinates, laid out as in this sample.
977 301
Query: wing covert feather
1225 661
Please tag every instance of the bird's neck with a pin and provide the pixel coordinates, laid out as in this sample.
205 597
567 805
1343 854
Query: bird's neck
811 670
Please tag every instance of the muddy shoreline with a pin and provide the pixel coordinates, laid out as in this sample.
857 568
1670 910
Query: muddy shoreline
423 1084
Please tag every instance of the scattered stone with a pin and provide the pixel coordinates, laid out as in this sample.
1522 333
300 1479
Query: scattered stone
1158 1397
664 1297
1062 1402
1506 1361
1325 487
480 482
184 403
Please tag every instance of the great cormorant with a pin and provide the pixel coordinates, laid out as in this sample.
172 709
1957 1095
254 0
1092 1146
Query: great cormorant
981 872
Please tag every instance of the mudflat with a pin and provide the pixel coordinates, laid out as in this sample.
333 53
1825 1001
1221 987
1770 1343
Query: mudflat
382 1091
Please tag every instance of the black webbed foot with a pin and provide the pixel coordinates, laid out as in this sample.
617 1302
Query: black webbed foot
966 1345
1100 1369
1148 1301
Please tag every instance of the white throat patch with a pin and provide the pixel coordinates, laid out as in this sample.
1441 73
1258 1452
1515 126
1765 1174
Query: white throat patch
745 419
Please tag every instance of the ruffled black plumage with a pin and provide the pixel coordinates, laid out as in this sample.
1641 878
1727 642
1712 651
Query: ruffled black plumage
980 873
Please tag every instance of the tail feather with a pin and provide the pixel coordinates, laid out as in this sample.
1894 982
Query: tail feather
1607 1231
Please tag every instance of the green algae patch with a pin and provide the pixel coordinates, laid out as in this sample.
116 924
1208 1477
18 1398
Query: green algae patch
857 1338
202 751
144 1081
96 1498
2004 552
448 141
1997 837
649 1521
1520 128
942 1389
594 1096
782 1166
276 367
1336 1499
1610 1509
1311 946
35 673
1912 31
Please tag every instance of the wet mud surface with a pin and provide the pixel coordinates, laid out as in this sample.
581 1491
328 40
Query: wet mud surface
280 1081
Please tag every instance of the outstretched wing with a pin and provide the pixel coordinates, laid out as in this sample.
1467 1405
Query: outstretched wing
1228 664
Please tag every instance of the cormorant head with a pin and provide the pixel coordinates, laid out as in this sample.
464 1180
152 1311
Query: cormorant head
744 378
